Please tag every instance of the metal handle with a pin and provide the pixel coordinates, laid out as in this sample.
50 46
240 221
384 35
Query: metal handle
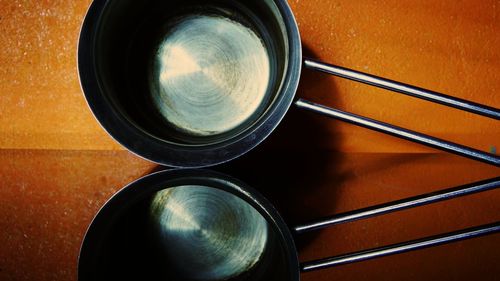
396 206
401 247
404 88
398 131
402 204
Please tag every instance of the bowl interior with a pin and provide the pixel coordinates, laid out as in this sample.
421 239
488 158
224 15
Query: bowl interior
192 72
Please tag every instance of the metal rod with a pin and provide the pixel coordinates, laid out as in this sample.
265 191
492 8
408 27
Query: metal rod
400 132
402 204
401 247
402 88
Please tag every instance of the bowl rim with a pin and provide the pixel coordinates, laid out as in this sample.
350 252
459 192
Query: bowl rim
166 153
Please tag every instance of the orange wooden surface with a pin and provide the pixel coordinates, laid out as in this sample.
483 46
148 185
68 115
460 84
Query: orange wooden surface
57 166
442 45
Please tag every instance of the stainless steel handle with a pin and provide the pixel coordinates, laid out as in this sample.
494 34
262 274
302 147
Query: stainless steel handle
399 205
402 88
398 131
396 206
401 247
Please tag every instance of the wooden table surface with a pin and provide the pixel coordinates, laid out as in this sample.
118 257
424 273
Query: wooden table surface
57 166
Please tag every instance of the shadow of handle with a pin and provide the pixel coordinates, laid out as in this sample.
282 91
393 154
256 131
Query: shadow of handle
398 131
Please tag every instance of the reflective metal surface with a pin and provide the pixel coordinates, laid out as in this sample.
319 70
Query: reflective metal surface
210 75
207 233
229 68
